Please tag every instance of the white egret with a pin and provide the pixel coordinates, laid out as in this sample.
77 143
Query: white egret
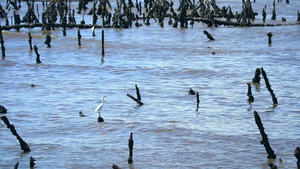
99 107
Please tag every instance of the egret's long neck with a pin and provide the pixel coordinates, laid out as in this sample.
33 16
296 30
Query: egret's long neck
103 99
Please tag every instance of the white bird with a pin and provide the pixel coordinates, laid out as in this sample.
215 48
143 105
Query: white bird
100 106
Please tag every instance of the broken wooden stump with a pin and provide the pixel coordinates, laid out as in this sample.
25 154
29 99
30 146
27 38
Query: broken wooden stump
249 94
192 92
114 166
256 78
23 144
269 38
269 86
136 100
297 155
3 110
47 41
130 146
31 162
37 54
208 35
265 140
16 165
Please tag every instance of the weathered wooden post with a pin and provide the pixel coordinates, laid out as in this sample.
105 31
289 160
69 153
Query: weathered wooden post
138 93
198 101
265 140
256 78
297 155
102 42
48 40
31 162
136 100
249 94
37 54
130 146
3 110
208 35
79 37
269 86
23 144
16 165
270 38
2 45
30 41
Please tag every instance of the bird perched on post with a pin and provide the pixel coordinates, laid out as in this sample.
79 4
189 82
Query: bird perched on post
99 108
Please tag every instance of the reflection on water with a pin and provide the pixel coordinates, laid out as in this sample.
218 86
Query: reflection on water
165 63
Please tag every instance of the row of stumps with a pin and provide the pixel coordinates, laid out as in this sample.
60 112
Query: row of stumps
25 147
256 81
23 144
48 43
265 140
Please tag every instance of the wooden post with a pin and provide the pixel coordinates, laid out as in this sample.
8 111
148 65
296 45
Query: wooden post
138 93
79 37
269 38
297 155
249 94
102 42
198 101
23 144
3 110
30 41
269 86
265 140
256 78
37 54
48 40
31 162
136 100
2 45
208 35
130 146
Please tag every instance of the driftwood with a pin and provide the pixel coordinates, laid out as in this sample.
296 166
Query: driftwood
265 140
138 95
23 144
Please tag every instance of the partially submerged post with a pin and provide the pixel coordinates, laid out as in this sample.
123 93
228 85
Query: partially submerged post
3 110
37 54
48 40
136 100
30 41
31 162
265 140
16 165
269 86
23 144
2 45
79 37
249 94
208 35
138 93
102 42
270 38
130 146
297 155
198 101
256 78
